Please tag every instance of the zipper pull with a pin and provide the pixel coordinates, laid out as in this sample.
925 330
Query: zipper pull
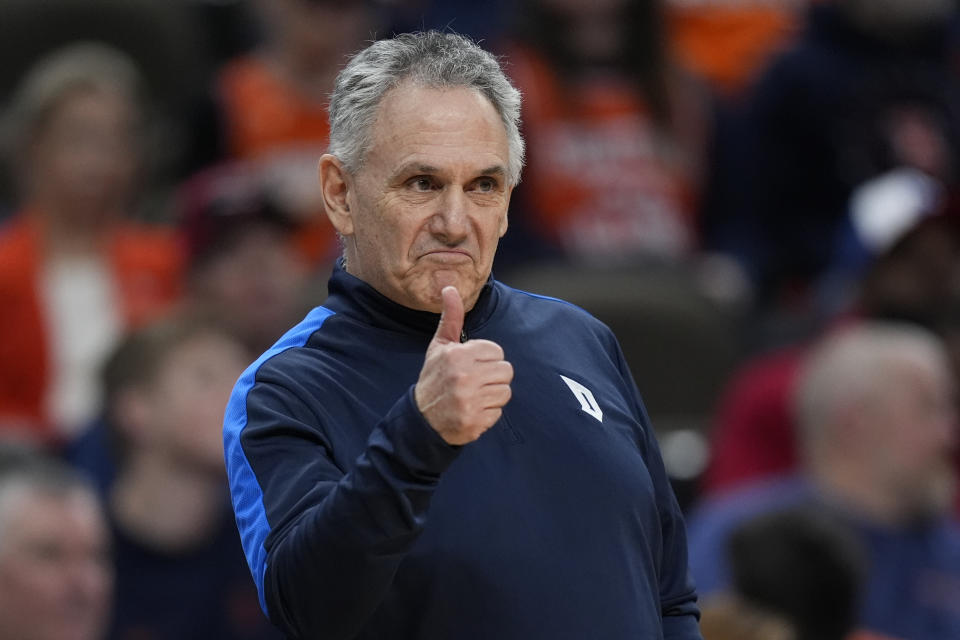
463 335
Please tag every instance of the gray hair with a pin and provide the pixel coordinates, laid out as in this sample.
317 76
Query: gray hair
80 66
23 466
854 365
430 59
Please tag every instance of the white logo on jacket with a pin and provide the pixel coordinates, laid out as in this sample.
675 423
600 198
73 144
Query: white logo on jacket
587 402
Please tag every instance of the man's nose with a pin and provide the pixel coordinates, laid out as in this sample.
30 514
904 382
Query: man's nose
451 222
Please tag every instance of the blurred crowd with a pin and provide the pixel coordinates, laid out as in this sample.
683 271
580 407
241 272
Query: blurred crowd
760 197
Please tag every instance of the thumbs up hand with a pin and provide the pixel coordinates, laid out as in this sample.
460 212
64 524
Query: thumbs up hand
463 386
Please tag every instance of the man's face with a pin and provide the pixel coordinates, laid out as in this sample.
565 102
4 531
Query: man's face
915 436
86 155
429 205
55 575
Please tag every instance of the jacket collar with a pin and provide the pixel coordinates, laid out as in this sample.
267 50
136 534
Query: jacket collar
354 298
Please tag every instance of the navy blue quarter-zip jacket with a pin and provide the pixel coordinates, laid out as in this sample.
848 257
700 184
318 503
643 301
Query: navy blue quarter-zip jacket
359 521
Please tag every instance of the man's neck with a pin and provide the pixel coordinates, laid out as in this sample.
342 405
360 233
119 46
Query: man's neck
64 237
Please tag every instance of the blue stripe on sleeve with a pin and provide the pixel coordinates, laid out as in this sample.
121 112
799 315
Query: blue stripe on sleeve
245 491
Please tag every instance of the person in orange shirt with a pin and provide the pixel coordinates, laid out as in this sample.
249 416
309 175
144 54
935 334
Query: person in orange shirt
616 132
271 103
729 43
75 272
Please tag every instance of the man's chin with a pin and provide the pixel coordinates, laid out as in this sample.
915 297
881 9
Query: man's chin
446 278
424 292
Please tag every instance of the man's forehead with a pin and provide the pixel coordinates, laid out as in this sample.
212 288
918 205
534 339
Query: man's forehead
418 127
22 503
413 103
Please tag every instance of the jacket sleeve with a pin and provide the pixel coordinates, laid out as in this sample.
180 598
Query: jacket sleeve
678 599
323 542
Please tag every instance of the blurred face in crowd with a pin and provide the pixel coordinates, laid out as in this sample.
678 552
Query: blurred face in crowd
254 284
918 276
85 157
55 574
429 204
318 32
594 30
913 435
182 408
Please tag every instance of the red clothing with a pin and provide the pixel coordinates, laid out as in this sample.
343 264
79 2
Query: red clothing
146 268
753 435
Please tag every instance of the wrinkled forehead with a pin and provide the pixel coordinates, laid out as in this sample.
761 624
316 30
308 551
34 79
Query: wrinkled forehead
412 113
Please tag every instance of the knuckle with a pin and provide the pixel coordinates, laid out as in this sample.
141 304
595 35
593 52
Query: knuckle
459 379
462 399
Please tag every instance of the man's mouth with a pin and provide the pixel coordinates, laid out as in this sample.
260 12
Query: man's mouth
447 256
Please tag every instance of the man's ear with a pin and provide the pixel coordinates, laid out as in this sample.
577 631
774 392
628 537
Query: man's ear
335 186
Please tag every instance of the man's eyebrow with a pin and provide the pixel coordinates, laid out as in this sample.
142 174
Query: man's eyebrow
417 168
496 170
413 168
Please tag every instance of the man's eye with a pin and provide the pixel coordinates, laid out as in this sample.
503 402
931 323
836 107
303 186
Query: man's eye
421 183
486 185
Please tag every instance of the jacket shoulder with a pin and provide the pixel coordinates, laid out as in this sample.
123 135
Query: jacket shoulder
527 305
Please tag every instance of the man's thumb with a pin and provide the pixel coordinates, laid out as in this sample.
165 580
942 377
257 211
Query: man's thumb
451 318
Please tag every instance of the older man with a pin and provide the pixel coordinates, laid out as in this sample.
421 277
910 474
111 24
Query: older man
876 406
384 487
56 575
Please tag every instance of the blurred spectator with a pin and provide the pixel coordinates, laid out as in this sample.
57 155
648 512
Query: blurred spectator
868 89
270 104
729 617
241 274
229 28
74 272
55 570
180 568
729 43
875 404
241 266
165 41
615 134
802 566
913 276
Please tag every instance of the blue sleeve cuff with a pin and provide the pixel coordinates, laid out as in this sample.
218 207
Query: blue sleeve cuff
413 441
